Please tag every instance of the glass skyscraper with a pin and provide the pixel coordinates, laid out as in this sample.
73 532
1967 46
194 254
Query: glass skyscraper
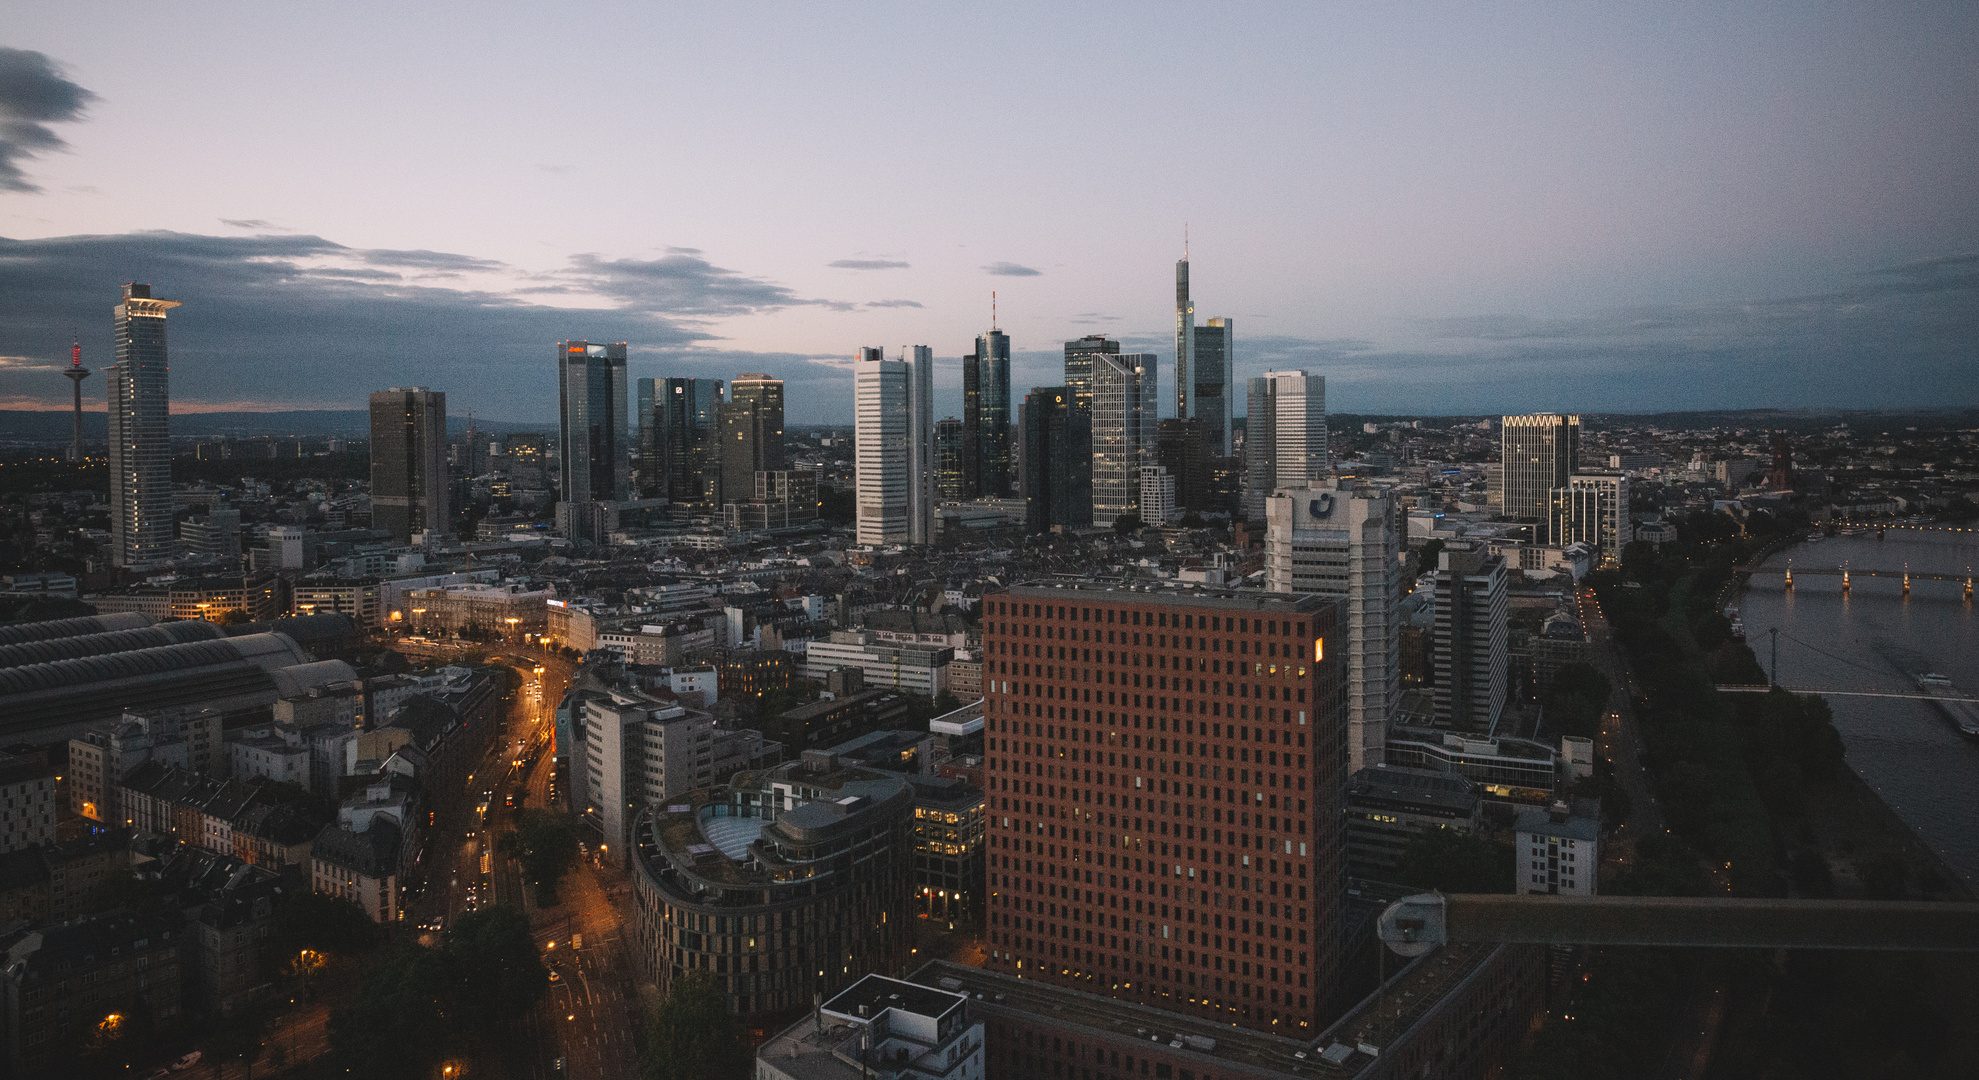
1124 400
993 421
1079 364
140 432
1536 453
591 410
677 444
751 434
409 487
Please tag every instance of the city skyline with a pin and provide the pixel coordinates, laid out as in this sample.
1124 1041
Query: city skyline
1650 216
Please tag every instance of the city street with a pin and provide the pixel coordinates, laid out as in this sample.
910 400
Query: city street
1620 741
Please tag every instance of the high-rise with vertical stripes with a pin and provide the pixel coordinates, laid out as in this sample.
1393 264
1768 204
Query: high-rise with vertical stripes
893 404
1284 436
591 410
140 432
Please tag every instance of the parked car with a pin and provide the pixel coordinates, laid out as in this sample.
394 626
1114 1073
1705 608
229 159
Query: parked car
186 1062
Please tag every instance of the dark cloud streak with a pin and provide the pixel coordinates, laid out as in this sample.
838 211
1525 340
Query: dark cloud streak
33 95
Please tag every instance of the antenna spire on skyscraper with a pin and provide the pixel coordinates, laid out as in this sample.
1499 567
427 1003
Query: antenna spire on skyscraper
1185 241
992 309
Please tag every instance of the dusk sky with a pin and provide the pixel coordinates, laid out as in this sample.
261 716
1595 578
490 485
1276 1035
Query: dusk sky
1441 208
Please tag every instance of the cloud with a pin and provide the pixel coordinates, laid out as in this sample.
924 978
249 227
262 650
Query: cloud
431 260
682 283
1010 269
29 363
867 264
33 94
892 303
246 223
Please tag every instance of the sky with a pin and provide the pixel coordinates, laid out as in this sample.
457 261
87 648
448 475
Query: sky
1441 208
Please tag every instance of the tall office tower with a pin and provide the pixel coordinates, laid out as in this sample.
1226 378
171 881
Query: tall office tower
949 474
993 424
591 410
1058 461
1284 436
1157 496
1195 860
409 489
1593 509
1079 363
1185 339
528 462
751 433
895 446
1123 404
140 432
1211 363
1338 539
1536 454
677 443
972 426
1179 448
1472 646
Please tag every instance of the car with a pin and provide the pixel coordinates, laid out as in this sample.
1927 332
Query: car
187 1062
556 976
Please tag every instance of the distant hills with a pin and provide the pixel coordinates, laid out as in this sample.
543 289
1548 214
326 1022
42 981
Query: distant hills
57 426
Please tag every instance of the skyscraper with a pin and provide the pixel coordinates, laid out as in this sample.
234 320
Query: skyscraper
751 433
1593 508
1123 409
1284 436
140 432
993 425
591 414
1179 449
949 473
1195 860
1185 339
895 446
677 442
1079 364
1058 461
972 426
1215 352
1338 539
1472 641
1537 453
409 483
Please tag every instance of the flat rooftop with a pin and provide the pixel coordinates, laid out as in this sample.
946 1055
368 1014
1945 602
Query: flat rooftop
877 992
1183 595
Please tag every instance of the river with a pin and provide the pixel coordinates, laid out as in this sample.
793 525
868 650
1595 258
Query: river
1876 638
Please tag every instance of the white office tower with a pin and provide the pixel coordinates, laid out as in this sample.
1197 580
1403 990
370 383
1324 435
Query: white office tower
1284 436
1472 644
140 432
1157 496
893 413
1338 539
1593 509
1124 407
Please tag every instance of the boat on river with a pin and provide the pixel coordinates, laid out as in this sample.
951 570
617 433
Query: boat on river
1962 714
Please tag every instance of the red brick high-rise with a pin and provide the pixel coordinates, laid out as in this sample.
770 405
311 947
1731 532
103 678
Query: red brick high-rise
1165 771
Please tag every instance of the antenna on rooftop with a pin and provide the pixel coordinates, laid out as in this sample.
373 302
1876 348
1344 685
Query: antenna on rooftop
992 309
1185 241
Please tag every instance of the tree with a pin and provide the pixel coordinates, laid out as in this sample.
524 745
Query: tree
322 923
239 1036
1576 700
1452 861
494 975
396 1025
1127 523
234 617
546 847
693 1036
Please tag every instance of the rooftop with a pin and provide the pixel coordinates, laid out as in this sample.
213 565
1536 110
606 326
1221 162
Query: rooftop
1168 594
865 999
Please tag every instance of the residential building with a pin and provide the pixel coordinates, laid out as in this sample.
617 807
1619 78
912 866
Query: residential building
913 668
751 432
1123 412
216 533
64 985
678 444
1337 538
591 408
744 882
895 446
1558 851
27 802
361 866
140 432
1284 436
1206 840
1592 509
101 758
409 489
1537 453
1058 461
1471 643
278 752
904 1030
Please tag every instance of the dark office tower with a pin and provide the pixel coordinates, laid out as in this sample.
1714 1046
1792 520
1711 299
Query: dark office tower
972 426
591 411
140 432
1193 860
677 443
751 433
1536 454
948 459
1285 441
1179 448
993 424
1185 340
1214 355
1058 461
1079 364
409 490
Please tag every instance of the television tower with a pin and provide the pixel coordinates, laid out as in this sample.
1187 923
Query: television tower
76 374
